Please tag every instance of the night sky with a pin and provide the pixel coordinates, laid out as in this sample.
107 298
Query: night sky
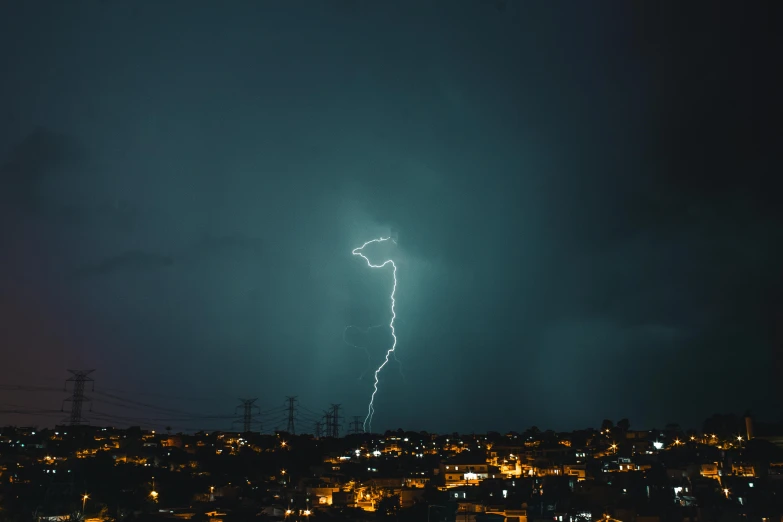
587 197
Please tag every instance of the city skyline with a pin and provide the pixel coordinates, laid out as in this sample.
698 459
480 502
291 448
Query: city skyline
611 473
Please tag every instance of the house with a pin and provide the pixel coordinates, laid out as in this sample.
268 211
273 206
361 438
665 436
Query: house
462 471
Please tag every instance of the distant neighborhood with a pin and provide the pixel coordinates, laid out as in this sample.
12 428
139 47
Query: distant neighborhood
730 470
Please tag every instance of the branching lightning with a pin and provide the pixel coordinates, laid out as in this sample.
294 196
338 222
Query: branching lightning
390 352
361 347
367 330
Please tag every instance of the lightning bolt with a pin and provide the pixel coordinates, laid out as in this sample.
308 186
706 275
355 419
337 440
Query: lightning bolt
390 352
366 351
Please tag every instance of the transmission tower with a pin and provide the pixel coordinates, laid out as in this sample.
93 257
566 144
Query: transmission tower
248 407
356 425
318 429
336 421
328 419
77 398
291 415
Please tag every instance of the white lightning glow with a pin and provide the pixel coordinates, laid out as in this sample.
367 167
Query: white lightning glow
390 352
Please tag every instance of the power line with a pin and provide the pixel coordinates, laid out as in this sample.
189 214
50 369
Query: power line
151 424
130 403
24 411
168 414
21 387
158 395
145 405
156 415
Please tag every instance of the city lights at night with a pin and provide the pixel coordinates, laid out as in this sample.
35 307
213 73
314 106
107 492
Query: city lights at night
550 233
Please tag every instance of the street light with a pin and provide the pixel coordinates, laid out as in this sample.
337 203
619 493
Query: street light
84 500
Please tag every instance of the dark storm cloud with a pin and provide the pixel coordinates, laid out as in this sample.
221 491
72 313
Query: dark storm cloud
131 261
208 247
116 214
41 153
43 165
662 236
225 245
713 146
586 202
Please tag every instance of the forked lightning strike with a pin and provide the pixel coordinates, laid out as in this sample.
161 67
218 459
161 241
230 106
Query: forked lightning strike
358 252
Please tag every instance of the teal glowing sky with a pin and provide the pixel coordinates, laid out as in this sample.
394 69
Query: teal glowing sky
586 200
